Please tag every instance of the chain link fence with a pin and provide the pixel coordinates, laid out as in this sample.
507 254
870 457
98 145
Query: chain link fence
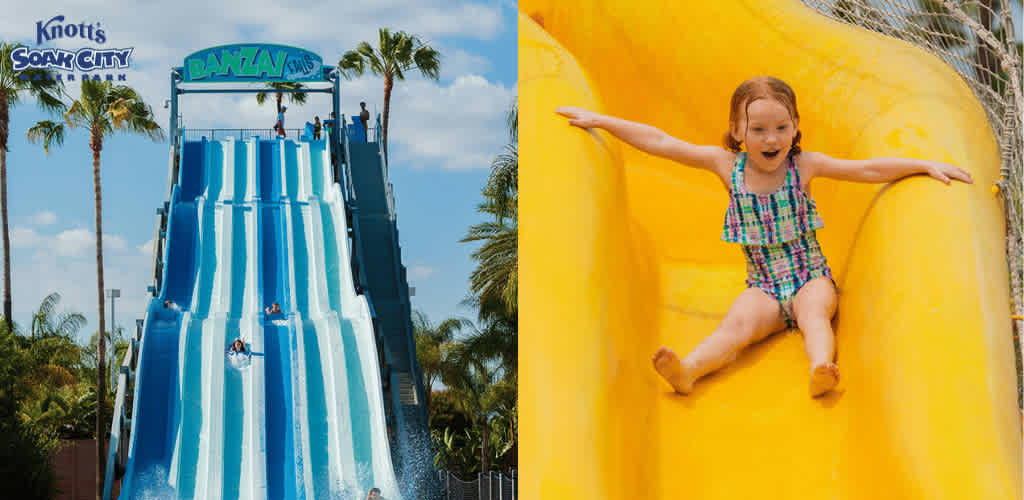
487 486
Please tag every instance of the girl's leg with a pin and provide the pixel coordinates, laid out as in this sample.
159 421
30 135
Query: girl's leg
753 316
814 306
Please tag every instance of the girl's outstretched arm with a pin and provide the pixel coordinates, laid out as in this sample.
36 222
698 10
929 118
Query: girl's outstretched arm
878 170
653 141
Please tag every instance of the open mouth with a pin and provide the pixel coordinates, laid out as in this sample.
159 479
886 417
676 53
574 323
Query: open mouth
771 154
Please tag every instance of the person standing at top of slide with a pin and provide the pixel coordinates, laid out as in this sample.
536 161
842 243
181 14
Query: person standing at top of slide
280 122
364 116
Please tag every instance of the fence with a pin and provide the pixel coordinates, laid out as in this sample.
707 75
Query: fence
266 134
487 486
75 465
214 134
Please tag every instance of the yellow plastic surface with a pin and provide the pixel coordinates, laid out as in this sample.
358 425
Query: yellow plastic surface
620 254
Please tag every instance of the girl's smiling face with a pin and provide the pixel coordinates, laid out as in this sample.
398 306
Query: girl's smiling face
768 130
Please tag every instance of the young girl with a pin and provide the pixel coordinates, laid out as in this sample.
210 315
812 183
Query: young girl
773 218
238 355
238 346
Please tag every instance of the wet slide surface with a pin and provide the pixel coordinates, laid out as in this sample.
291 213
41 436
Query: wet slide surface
620 254
252 223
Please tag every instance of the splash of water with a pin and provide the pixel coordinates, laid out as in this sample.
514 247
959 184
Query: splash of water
417 477
152 484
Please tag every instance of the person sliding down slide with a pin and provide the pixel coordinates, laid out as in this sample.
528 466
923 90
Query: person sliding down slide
238 355
773 218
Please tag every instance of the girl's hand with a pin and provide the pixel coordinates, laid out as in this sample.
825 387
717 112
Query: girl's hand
944 172
579 117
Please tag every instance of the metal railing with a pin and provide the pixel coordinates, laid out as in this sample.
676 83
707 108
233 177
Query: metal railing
117 453
371 134
388 188
487 486
349 187
213 134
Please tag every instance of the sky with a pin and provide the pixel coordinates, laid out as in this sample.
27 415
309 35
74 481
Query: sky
442 138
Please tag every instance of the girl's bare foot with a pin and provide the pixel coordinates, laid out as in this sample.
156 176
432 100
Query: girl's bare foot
824 378
673 370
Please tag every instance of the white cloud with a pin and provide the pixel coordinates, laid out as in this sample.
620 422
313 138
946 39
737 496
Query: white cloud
43 218
461 126
113 242
147 247
455 61
420 272
43 271
23 237
75 242
65 263
458 126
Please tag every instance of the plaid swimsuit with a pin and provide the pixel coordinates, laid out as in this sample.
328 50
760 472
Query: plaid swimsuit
777 233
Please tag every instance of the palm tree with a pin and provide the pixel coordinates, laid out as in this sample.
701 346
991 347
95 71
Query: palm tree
51 372
489 356
45 323
295 97
12 90
431 345
481 389
395 54
103 108
496 277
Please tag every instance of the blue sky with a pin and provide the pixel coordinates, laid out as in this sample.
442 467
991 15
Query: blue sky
443 136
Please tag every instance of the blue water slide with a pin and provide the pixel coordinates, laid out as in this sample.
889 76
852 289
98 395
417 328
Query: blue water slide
252 223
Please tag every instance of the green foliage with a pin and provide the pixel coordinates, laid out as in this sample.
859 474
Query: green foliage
481 369
432 342
396 53
25 447
445 413
59 376
45 92
293 97
473 423
456 450
25 452
495 280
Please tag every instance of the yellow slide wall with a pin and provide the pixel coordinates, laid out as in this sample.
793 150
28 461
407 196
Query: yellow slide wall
620 254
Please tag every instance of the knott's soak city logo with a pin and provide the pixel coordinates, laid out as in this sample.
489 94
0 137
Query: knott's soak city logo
85 59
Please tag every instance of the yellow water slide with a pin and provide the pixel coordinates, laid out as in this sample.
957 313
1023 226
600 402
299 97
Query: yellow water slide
620 254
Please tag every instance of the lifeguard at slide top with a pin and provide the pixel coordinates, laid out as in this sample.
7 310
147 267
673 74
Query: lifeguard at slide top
620 254
251 222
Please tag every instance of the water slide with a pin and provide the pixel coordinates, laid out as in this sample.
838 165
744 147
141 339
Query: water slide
251 223
620 254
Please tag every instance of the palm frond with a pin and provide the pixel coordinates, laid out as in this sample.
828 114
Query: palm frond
51 133
428 61
127 113
69 324
76 115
